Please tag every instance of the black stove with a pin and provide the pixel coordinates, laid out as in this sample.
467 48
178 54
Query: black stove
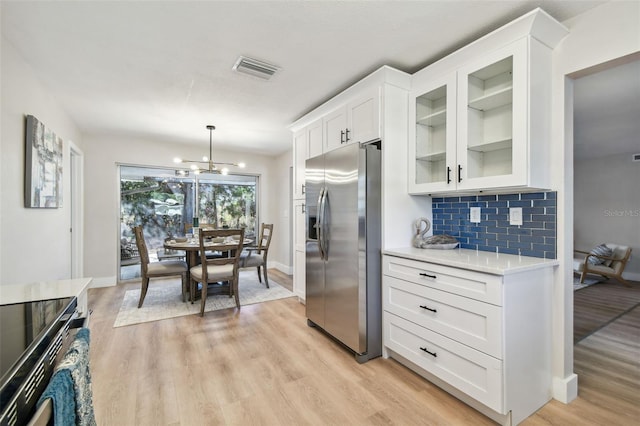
31 336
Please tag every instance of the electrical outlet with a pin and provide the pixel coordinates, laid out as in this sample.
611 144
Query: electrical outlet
475 215
515 216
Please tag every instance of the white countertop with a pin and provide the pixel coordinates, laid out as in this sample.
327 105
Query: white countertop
474 260
42 290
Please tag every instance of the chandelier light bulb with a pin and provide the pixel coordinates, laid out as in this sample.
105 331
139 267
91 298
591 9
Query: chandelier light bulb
224 171
177 160
242 165
194 167
205 158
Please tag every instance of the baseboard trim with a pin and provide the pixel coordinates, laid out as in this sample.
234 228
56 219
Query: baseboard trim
103 282
565 389
631 276
285 269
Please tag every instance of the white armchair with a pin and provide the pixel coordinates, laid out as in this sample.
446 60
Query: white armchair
606 266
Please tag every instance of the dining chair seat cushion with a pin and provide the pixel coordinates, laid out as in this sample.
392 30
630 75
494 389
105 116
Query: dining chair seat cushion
214 272
167 267
252 260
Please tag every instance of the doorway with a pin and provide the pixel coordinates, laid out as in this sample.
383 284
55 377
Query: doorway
606 209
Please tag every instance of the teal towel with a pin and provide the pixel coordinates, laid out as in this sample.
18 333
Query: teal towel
60 390
70 386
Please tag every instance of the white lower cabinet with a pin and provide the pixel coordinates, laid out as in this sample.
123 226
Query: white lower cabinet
473 372
484 337
299 256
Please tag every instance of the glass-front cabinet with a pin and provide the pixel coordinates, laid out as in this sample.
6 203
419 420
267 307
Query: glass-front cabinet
473 129
434 143
492 119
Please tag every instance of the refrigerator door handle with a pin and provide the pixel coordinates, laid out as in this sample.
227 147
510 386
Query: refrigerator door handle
326 225
319 223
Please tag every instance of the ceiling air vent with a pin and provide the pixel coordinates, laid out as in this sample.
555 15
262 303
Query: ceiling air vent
636 157
255 68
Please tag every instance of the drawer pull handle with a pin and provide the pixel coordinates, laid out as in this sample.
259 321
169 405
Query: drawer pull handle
433 354
428 309
422 274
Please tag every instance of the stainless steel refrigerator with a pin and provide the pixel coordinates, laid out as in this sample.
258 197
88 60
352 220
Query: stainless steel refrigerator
343 286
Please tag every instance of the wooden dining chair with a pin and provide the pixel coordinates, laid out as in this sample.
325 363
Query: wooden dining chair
256 256
221 272
157 269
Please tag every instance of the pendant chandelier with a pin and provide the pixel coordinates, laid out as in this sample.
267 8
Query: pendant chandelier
211 166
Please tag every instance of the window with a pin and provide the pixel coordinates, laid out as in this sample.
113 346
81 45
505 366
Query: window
162 200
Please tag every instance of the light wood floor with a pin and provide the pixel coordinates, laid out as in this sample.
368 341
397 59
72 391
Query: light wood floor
264 366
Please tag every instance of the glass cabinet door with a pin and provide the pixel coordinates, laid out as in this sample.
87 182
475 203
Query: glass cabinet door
431 121
492 133
433 151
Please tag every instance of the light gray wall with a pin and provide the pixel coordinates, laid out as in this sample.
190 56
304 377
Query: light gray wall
42 235
30 236
280 192
607 205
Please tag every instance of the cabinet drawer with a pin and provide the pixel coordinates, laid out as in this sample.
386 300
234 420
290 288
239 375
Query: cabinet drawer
473 323
476 285
474 373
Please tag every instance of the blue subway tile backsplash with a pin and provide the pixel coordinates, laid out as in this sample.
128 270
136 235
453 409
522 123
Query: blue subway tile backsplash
535 237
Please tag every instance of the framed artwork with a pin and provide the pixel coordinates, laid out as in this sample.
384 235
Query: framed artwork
43 166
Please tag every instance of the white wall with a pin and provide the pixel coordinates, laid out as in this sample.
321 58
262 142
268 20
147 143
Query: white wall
30 236
104 152
607 205
280 194
602 34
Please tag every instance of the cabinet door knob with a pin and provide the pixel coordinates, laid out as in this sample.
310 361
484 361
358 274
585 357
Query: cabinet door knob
304 208
422 274
347 135
448 175
303 188
341 136
459 173
433 354
428 308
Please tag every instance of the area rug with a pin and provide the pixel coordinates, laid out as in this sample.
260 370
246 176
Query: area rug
164 300
577 285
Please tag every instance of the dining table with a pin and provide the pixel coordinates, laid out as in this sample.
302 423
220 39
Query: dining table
191 247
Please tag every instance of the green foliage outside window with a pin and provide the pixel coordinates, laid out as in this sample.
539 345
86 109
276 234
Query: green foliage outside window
227 205
156 205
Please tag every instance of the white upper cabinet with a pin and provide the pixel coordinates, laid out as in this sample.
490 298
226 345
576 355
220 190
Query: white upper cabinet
479 118
307 143
300 146
315 139
356 121
335 126
434 138
492 117
363 116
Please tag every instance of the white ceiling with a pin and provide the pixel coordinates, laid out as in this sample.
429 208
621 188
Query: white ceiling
162 69
607 112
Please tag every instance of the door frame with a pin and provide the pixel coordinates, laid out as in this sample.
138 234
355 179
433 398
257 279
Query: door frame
76 175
